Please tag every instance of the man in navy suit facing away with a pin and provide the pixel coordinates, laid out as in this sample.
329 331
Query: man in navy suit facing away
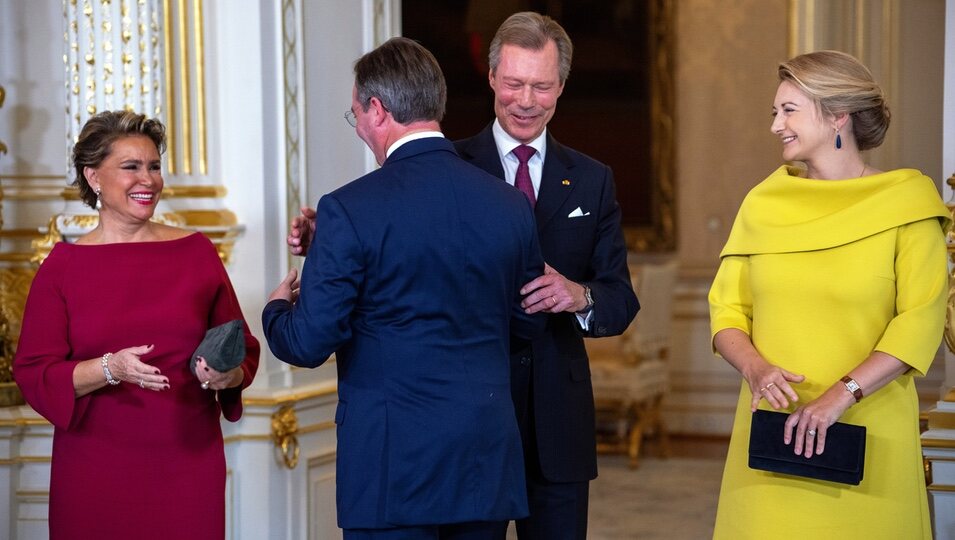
413 280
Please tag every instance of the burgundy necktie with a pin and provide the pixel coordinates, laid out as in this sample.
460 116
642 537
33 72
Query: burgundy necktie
522 180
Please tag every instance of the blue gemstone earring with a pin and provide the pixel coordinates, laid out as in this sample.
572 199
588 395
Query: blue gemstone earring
838 140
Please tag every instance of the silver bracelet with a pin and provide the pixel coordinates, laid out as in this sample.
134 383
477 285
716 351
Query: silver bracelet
105 364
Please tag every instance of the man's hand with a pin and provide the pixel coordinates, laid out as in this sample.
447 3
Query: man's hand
288 289
553 293
301 232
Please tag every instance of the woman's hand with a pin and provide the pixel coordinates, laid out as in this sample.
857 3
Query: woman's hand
765 380
772 383
211 379
812 420
126 365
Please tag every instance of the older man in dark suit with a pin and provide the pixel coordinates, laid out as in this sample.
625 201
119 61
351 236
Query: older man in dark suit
586 288
413 280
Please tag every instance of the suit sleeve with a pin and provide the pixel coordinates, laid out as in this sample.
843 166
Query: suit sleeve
615 303
524 326
306 333
226 308
921 280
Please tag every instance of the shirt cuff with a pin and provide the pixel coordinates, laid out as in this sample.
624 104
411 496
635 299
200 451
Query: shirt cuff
585 320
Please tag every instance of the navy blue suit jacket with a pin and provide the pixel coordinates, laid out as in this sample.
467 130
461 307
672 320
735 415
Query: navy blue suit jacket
556 409
413 280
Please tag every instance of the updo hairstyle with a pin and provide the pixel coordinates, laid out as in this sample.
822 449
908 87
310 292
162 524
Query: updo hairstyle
839 83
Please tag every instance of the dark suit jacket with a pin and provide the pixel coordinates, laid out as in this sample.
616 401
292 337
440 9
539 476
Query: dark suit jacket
413 280
556 412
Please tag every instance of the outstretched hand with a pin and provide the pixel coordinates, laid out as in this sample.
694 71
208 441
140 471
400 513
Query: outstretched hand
288 288
301 232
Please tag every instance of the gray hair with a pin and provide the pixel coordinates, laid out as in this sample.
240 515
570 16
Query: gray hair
530 30
405 77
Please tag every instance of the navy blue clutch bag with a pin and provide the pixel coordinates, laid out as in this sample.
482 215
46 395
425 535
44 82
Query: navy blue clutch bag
842 461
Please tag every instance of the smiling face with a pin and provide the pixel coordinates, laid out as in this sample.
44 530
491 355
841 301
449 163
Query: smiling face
129 179
526 86
806 133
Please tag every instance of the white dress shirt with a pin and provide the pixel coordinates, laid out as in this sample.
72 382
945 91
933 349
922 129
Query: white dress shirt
505 146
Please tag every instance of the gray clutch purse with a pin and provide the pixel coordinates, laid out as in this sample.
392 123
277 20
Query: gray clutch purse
223 347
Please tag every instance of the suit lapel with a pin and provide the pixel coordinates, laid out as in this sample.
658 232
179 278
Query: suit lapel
481 151
557 182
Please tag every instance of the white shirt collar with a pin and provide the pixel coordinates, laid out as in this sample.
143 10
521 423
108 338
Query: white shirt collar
506 144
411 137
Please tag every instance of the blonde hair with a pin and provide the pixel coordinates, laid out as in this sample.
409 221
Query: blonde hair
839 83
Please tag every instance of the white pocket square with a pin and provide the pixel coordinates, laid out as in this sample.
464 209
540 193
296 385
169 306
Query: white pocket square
577 213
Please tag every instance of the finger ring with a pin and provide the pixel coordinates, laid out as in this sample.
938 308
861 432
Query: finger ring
770 385
761 390
812 433
141 385
553 300
205 385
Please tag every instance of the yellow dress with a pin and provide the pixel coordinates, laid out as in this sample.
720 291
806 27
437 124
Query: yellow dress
819 273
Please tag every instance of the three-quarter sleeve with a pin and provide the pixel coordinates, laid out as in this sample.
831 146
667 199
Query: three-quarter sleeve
730 298
43 367
226 308
921 269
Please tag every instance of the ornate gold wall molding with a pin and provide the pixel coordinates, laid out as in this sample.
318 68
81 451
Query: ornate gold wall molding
284 435
185 87
294 122
111 59
661 235
3 147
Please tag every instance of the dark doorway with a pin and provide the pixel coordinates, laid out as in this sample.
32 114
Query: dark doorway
605 110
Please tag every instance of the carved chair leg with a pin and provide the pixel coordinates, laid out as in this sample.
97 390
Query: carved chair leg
661 428
637 430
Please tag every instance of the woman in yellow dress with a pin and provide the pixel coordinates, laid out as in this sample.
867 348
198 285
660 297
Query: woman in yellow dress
829 299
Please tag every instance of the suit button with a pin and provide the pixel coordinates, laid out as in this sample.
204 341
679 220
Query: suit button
525 360
601 330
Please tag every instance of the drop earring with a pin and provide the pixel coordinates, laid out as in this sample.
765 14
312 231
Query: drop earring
99 203
838 140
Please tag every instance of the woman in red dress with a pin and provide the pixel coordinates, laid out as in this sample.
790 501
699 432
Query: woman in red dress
109 327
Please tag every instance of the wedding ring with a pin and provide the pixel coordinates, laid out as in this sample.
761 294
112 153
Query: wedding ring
141 385
770 385
554 300
205 385
812 432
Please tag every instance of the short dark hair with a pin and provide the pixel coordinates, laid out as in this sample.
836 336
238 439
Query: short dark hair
530 30
96 140
405 77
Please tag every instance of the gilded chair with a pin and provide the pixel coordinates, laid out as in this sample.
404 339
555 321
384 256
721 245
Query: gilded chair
630 372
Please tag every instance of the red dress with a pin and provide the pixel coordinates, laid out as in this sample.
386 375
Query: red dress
129 462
